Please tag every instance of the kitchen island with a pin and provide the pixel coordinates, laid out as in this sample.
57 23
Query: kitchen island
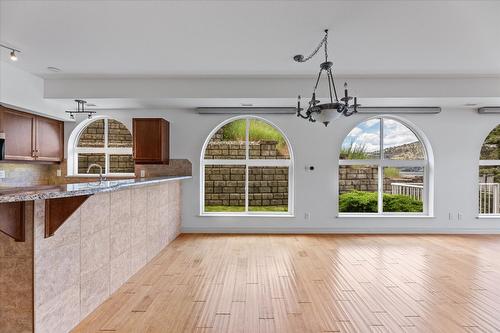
65 249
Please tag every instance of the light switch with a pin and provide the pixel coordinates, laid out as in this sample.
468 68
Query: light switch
2 174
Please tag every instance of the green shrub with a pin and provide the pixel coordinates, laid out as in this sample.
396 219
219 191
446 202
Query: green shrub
358 202
367 202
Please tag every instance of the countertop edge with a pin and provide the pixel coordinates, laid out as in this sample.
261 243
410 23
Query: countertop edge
58 192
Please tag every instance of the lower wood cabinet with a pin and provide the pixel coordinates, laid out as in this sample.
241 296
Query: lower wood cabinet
29 137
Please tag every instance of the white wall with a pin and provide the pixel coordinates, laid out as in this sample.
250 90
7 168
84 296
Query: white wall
456 136
24 91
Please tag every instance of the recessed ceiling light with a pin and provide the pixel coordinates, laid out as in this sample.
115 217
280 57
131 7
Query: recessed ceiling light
246 104
53 69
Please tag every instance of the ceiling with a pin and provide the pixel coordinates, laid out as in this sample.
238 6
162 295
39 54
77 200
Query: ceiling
252 38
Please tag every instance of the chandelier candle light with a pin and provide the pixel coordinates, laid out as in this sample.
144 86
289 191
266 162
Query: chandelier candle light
326 112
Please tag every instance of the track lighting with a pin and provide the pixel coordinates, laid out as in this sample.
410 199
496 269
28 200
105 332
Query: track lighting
13 55
80 109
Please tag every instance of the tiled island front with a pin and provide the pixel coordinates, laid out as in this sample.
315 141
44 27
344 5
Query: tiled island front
63 278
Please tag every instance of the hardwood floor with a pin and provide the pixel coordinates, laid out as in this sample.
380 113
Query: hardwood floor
316 283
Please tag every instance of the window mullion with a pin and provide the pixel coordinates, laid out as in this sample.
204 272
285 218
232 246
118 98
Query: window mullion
380 193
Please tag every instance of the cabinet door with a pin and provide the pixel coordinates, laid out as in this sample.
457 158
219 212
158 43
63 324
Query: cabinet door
19 131
49 140
151 140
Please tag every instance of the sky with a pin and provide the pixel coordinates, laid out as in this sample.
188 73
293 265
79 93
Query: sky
367 134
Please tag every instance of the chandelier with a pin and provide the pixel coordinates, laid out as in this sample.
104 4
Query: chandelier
334 108
80 109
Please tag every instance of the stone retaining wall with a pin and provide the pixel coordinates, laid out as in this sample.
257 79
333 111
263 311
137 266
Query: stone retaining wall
225 186
365 179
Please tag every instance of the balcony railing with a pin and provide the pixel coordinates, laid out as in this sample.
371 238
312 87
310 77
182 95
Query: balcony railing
489 198
413 190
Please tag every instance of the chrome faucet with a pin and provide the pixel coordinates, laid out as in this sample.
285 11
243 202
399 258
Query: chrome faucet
101 178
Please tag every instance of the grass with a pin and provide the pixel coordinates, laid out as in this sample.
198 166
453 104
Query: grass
259 131
353 152
391 172
235 209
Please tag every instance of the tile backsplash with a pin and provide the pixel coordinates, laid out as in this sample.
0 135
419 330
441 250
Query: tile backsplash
25 174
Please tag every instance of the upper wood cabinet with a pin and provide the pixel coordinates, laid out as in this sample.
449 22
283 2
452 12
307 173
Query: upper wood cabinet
151 140
49 139
31 138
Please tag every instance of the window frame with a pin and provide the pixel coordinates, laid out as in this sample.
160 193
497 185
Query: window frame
107 151
382 162
248 162
494 163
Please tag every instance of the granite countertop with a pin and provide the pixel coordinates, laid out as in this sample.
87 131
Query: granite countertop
72 190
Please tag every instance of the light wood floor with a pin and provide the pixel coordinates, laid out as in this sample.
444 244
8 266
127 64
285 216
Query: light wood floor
273 283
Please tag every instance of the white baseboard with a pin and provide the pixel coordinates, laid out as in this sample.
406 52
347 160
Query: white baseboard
359 230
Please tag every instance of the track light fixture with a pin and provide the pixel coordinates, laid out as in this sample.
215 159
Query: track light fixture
13 55
80 109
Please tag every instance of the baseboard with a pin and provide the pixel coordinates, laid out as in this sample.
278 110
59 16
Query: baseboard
359 230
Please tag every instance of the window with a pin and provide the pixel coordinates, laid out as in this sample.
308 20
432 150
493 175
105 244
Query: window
106 142
383 169
246 168
489 175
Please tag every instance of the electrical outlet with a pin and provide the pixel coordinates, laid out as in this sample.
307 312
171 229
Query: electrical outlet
59 173
143 173
450 216
307 216
2 174
460 216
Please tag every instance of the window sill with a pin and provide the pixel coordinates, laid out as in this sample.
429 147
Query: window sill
244 215
368 215
491 216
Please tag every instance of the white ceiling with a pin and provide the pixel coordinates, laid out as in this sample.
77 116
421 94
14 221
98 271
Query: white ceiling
240 38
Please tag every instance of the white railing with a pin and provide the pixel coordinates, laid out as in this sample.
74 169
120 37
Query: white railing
489 198
413 190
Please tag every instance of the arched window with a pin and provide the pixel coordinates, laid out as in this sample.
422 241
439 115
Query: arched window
489 175
384 169
102 141
246 168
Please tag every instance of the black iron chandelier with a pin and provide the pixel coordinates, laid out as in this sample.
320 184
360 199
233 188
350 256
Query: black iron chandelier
80 109
334 108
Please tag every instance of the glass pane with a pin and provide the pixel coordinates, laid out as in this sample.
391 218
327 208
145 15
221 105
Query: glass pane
489 189
491 146
92 135
121 164
224 188
358 189
84 160
362 142
400 143
266 142
118 135
268 189
229 142
404 190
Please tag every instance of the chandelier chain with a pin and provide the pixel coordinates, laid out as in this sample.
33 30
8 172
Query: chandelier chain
324 42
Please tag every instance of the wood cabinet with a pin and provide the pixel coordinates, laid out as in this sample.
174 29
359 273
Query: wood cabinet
30 137
49 139
151 140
